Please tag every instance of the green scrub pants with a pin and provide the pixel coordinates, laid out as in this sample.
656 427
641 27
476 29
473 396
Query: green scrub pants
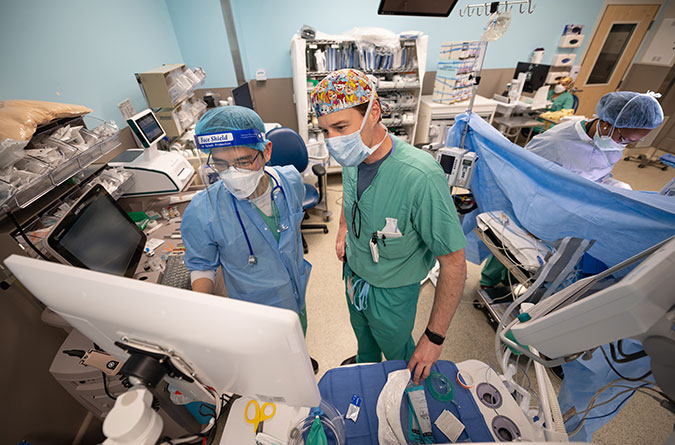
494 273
385 325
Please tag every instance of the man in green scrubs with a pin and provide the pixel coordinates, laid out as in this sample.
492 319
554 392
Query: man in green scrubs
397 219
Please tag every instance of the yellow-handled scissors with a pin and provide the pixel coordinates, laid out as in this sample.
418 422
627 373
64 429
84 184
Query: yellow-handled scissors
260 414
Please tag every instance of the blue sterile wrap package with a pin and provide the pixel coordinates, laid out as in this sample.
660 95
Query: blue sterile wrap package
339 384
551 202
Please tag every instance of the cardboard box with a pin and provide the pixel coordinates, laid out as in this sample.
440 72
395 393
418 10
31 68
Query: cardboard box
168 119
156 82
175 120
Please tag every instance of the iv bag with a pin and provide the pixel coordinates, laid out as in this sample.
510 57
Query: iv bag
497 26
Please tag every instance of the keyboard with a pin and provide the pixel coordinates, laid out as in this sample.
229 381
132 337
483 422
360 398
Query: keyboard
175 273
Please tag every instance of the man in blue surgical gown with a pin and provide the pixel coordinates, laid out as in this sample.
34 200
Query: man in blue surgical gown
248 222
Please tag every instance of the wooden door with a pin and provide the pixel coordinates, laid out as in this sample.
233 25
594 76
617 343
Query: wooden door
666 138
611 51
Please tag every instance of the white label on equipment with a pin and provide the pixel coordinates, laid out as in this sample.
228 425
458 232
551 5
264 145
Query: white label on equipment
449 425
153 243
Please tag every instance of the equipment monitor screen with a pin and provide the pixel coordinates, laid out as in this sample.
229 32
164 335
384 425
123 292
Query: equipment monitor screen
242 96
97 234
150 127
535 75
447 163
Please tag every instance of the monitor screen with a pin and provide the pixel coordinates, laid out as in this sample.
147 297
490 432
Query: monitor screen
535 75
150 127
447 163
97 234
242 96
429 8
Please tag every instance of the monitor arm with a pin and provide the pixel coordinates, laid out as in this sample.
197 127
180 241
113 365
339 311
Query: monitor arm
149 368
133 417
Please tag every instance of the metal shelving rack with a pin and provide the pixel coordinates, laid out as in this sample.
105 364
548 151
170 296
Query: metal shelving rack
302 74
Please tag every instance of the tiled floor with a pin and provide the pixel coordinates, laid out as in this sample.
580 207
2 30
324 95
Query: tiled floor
330 338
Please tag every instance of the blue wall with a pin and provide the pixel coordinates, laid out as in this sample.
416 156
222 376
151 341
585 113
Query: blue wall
82 51
265 29
202 38
85 52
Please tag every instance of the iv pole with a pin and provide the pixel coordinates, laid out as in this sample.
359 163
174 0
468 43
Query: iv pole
493 8
473 93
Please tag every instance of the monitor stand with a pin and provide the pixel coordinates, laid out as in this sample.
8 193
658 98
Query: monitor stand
151 154
133 415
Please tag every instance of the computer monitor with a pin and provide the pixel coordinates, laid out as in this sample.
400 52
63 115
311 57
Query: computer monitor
425 8
535 75
234 346
97 234
146 128
242 96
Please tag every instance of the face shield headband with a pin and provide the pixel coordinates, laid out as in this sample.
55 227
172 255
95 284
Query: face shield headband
233 138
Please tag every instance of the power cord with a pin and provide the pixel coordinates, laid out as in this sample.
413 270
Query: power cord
105 386
630 379
79 353
626 357
23 235
592 405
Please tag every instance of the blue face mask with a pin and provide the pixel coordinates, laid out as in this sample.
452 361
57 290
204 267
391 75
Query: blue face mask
606 143
350 150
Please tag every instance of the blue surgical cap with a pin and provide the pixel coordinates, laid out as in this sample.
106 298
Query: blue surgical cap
639 110
230 118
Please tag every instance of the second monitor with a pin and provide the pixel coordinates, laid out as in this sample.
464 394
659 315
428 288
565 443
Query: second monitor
242 96
535 75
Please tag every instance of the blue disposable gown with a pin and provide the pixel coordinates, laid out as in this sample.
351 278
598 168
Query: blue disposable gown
213 237
568 145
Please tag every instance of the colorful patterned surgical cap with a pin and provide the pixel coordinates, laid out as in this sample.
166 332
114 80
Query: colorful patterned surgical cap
340 90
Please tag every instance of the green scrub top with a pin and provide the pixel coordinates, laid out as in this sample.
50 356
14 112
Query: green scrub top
411 187
563 101
271 220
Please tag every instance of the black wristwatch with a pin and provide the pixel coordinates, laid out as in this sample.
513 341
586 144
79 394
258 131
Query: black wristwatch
434 337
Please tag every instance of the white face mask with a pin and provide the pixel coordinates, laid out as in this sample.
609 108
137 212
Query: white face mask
558 89
606 143
349 150
240 181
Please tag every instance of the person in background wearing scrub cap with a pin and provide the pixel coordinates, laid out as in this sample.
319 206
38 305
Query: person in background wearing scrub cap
591 148
248 222
397 219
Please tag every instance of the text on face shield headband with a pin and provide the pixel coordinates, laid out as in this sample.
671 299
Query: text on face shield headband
229 139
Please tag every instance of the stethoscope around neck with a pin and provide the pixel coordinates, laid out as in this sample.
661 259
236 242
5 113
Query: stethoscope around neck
252 260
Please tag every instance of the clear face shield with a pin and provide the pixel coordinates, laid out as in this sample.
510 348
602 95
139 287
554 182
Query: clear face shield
226 156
